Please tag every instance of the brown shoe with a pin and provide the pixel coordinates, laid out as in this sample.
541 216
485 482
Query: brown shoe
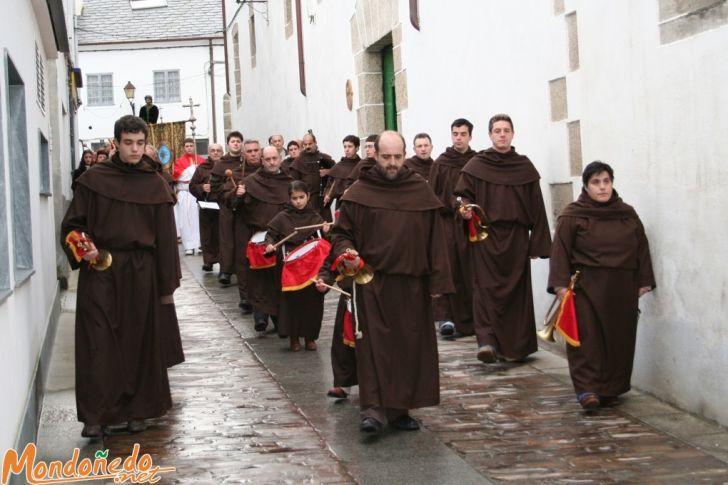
310 344
337 393
589 400
93 431
487 354
295 344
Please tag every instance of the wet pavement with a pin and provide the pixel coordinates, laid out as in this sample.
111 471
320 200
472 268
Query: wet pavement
247 410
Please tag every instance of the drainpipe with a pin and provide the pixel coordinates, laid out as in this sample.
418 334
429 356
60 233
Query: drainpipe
301 61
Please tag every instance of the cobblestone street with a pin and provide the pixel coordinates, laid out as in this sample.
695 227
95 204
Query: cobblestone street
247 410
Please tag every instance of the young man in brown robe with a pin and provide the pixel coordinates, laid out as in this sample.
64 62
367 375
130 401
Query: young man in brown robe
312 166
505 185
219 183
337 176
258 199
389 220
201 188
421 163
603 238
364 163
454 313
293 150
124 206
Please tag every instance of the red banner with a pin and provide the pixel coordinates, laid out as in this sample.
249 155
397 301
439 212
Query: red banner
566 323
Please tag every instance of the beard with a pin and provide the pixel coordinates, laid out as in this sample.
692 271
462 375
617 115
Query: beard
389 174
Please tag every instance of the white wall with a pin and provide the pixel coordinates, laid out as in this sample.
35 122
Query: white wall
24 315
655 112
271 98
137 65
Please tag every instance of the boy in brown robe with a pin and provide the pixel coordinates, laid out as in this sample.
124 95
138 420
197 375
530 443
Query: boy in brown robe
454 313
421 163
389 220
506 186
338 175
201 188
123 204
219 183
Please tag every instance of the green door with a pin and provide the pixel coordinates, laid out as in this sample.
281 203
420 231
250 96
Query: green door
390 106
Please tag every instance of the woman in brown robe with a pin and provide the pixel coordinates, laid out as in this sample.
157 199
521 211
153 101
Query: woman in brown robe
299 312
201 188
604 239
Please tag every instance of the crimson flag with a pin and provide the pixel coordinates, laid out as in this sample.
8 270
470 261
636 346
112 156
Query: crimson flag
566 323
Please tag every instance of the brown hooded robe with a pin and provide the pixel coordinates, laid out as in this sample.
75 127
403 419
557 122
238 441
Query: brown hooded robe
506 186
125 337
394 226
606 242
209 218
458 307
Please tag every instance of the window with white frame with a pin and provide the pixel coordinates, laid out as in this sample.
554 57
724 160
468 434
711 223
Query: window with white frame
166 86
100 89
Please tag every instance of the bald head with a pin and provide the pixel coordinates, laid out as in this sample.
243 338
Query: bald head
271 159
390 149
215 151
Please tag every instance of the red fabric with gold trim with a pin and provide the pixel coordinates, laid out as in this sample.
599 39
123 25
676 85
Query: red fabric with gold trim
566 323
256 252
302 264
472 228
79 243
348 333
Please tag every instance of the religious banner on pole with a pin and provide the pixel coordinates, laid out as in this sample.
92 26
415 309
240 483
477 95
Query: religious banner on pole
171 135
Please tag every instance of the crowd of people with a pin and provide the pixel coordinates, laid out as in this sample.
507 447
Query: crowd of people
413 247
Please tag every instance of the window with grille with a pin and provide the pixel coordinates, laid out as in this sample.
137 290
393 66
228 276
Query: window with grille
100 89
40 79
166 86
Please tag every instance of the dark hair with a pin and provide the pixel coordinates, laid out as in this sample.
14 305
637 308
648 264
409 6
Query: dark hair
499 117
102 152
188 140
297 186
371 138
594 168
376 142
421 135
235 134
462 122
129 124
352 139
293 142
148 96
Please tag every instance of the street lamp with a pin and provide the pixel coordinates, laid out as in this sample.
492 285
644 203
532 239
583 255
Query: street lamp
129 93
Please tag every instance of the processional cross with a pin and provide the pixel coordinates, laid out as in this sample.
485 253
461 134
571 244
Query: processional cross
192 119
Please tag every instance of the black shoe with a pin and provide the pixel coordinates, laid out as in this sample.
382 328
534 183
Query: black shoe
224 278
405 422
206 267
370 426
245 306
136 425
261 322
93 431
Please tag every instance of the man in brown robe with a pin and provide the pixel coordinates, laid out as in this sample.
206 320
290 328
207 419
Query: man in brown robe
603 238
258 199
506 186
421 163
389 219
124 206
201 188
337 176
312 167
454 313
219 183
293 150
364 163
